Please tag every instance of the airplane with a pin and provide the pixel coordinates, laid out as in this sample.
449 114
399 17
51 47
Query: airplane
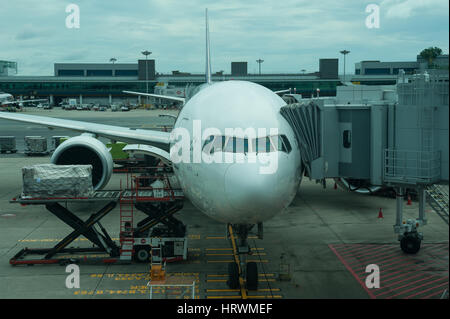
235 193
7 99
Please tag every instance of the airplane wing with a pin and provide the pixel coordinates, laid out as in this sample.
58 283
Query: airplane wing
282 91
173 98
23 101
155 138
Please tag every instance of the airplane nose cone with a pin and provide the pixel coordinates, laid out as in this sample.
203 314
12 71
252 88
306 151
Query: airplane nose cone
253 195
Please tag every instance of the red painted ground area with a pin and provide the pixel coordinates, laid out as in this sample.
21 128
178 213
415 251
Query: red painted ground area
402 276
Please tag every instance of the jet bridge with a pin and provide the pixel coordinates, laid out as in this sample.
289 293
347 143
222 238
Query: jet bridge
370 141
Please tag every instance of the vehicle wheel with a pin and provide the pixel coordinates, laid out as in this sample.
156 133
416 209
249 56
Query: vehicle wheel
252 276
233 275
142 254
410 244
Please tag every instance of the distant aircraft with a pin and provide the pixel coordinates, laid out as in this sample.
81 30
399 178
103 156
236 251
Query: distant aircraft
7 99
230 192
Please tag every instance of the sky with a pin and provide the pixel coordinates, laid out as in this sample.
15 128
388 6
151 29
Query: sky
289 35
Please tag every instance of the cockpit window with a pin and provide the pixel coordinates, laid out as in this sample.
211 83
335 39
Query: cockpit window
245 145
286 146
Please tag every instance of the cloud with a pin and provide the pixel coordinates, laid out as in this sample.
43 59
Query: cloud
289 35
409 8
26 35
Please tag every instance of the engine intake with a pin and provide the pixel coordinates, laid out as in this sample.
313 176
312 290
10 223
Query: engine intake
86 150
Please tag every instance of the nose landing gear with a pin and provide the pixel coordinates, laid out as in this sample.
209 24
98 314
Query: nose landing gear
240 268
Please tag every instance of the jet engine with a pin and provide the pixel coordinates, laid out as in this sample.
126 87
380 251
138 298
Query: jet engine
85 150
357 185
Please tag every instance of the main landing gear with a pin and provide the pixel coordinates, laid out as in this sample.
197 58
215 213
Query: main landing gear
240 268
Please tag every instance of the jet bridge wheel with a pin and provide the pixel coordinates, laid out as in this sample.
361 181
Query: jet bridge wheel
410 243
233 275
252 276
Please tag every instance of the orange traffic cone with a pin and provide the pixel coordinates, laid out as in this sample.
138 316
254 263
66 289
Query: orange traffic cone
380 214
409 200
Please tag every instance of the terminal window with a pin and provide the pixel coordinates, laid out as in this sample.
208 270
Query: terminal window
70 72
378 71
99 73
126 72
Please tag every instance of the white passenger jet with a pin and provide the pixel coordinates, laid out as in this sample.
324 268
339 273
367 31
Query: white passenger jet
7 99
236 193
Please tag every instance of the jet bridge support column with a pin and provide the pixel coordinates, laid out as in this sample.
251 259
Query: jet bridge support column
399 210
422 202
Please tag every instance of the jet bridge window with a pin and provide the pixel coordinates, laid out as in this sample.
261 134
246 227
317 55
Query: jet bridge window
347 139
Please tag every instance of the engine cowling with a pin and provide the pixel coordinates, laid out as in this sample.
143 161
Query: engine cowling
85 150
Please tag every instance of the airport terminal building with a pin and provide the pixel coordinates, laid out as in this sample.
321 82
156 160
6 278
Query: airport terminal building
103 83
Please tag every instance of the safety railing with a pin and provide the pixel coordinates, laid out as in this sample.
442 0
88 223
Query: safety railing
412 167
150 184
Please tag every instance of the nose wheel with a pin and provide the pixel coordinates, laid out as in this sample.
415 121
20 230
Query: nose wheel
233 275
251 275
240 269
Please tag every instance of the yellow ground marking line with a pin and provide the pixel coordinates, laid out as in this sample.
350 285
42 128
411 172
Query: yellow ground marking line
132 275
224 237
230 248
238 297
236 258
224 280
223 297
266 297
237 290
222 275
229 261
229 254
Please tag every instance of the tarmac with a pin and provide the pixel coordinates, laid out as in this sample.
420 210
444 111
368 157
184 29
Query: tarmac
322 243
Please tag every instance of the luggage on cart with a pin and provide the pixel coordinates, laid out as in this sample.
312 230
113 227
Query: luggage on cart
61 181
8 144
35 145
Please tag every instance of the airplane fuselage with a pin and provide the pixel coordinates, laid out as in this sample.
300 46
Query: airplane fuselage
238 192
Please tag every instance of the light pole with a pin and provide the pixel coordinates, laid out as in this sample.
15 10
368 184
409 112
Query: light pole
146 53
112 60
344 52
259 61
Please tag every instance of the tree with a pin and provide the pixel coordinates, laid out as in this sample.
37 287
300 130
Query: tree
430 54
